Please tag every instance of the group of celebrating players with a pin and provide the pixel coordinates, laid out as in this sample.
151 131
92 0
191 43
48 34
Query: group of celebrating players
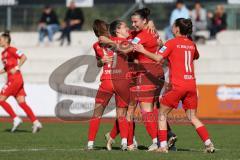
137 67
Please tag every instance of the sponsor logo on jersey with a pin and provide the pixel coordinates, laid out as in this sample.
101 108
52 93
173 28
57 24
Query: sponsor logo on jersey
136 40
162 49
19 52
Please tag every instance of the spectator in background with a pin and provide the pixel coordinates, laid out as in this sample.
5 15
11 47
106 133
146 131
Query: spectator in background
180 11
74 20
218 21
48 24
199 19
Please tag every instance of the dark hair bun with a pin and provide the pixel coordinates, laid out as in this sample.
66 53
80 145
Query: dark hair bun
189 26
143 13
146 11
185 26
7 32
113 27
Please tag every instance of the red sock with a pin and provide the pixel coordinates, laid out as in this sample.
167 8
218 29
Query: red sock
150 124
123 127
115 130
162 135
8 109
93 128
28 111
203 133
131 126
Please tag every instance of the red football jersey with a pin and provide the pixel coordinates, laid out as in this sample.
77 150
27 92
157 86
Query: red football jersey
10 57
181 52
120 61
119 67
149 42
100 52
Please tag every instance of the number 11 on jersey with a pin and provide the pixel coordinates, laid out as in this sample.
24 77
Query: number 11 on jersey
188 62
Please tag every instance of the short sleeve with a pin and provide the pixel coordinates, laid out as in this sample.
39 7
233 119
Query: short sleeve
98 51
166 50
17 53
139 39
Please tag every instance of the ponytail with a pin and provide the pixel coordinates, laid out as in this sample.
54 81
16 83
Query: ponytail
185 26
143 13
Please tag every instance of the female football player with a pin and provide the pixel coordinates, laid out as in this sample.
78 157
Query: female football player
13 59
113 79
180 52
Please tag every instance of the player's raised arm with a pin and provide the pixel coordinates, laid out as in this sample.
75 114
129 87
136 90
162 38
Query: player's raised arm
141 49
118 47
105 59
101 57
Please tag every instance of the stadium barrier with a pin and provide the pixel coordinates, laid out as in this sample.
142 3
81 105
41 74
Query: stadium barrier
217 74
215 102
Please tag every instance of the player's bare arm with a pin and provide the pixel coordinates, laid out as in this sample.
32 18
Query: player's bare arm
119 47
2 71
104 60
141 49
21 62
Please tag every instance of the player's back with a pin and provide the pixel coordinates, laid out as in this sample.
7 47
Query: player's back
183 53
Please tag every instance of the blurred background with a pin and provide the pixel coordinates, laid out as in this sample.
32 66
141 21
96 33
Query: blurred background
25 14
51 32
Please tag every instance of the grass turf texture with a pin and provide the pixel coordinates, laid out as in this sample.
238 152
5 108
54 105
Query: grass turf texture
59 141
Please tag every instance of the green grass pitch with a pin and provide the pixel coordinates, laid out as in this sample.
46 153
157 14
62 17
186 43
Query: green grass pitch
64 141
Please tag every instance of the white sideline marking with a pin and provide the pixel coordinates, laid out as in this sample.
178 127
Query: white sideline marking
39 149
75 149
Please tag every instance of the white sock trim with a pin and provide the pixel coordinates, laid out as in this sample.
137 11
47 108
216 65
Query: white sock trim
154 140
124 141
90 143
163 144
16 118
207 142
36 121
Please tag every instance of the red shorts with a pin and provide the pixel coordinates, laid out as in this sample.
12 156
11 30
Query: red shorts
187 96
14 86
147 88
109 87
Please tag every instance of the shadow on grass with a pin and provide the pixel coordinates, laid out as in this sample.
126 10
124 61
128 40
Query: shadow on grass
187 150
98 148
18 131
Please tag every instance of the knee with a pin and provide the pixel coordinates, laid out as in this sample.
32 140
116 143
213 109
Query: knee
20 100
3 98
162 116
193 119
98 110
121 113
97 114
